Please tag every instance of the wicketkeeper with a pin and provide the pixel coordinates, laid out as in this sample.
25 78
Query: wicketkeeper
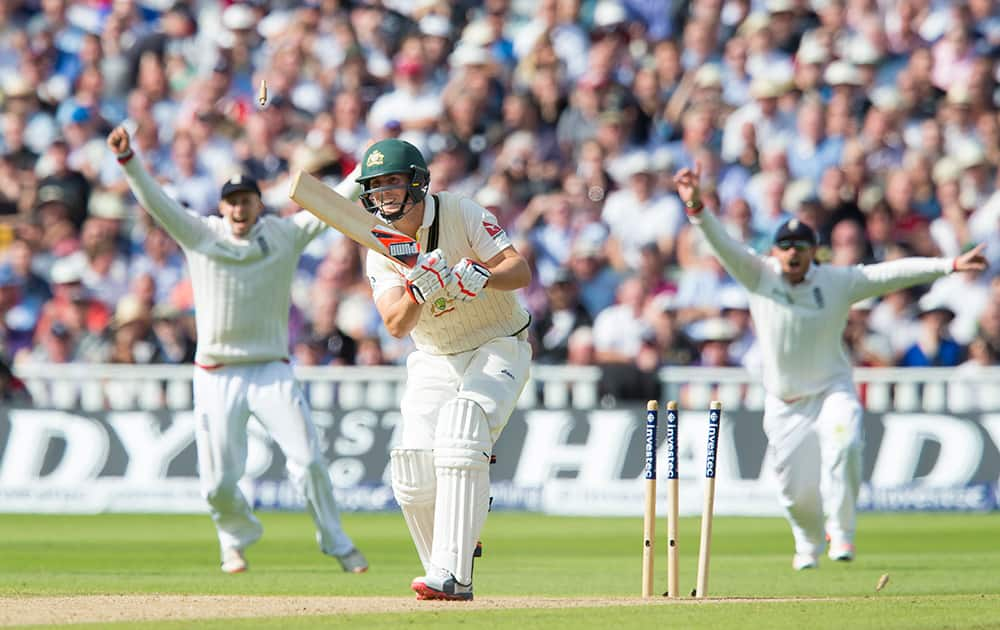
812 414
470 365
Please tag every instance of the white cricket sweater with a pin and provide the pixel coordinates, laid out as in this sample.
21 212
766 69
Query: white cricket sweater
447 325
800 327
241 287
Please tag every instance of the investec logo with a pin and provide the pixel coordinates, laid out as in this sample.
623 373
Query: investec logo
713 438
671 445
403 249
651 445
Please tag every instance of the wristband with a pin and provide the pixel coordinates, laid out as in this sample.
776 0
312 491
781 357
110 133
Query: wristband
124 157
693 206
954 264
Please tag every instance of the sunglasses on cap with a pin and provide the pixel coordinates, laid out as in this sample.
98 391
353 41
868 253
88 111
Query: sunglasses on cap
797 245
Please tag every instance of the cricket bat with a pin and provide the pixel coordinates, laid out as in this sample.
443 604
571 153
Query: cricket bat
352 220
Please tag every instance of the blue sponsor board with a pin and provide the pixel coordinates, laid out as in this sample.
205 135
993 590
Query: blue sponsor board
974 497
281 495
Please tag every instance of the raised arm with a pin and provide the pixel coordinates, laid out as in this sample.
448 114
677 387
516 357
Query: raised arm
882 278
187 229
741 263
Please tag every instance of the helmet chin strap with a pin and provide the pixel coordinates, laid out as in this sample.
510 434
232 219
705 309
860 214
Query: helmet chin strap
396 216
404 208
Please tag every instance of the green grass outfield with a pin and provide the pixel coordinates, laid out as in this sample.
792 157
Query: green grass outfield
944 571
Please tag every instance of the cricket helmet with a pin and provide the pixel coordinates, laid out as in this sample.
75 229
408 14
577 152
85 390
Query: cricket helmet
388 157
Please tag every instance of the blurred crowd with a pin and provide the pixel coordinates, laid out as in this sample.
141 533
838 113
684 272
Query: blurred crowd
875 121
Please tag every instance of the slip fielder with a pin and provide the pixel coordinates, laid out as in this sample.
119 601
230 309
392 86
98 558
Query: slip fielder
241 269
812 414
471 361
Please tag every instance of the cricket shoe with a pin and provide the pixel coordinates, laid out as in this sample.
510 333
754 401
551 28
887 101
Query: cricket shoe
803 561
353 561
843 552
233 560
439 584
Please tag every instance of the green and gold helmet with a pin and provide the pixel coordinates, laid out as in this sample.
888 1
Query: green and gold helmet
387 157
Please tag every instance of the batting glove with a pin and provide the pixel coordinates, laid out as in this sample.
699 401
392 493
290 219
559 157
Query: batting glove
467 279
429 276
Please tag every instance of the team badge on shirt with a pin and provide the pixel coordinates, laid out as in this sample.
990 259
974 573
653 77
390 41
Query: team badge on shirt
441 306
818 296
492 229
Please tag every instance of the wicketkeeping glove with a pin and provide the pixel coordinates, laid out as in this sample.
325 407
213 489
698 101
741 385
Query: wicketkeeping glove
467 279
430 275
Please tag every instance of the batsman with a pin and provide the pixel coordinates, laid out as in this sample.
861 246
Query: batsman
471 361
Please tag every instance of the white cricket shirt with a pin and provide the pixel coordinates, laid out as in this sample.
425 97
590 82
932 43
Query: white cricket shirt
241 286
800 327
447 325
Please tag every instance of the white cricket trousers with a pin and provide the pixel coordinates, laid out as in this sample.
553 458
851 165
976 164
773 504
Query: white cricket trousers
224 400
816 445
491 376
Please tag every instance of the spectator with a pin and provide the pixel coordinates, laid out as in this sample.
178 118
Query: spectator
713 336
71 303
103 267
132 337
597 281
350 134
735 309
21 158
989 326
57 344
160 259
35 290
934 345
325 342
757 121
21 100
619 329
865 347
174 344
195 188
414 103
848 244
673 344
564 315
12 331
811 153
580 347
569 43
638 215
911 227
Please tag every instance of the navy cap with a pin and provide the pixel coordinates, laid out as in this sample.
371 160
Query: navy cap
795 230
240 183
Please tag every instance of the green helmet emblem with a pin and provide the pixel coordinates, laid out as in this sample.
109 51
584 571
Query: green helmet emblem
387 157
375 158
